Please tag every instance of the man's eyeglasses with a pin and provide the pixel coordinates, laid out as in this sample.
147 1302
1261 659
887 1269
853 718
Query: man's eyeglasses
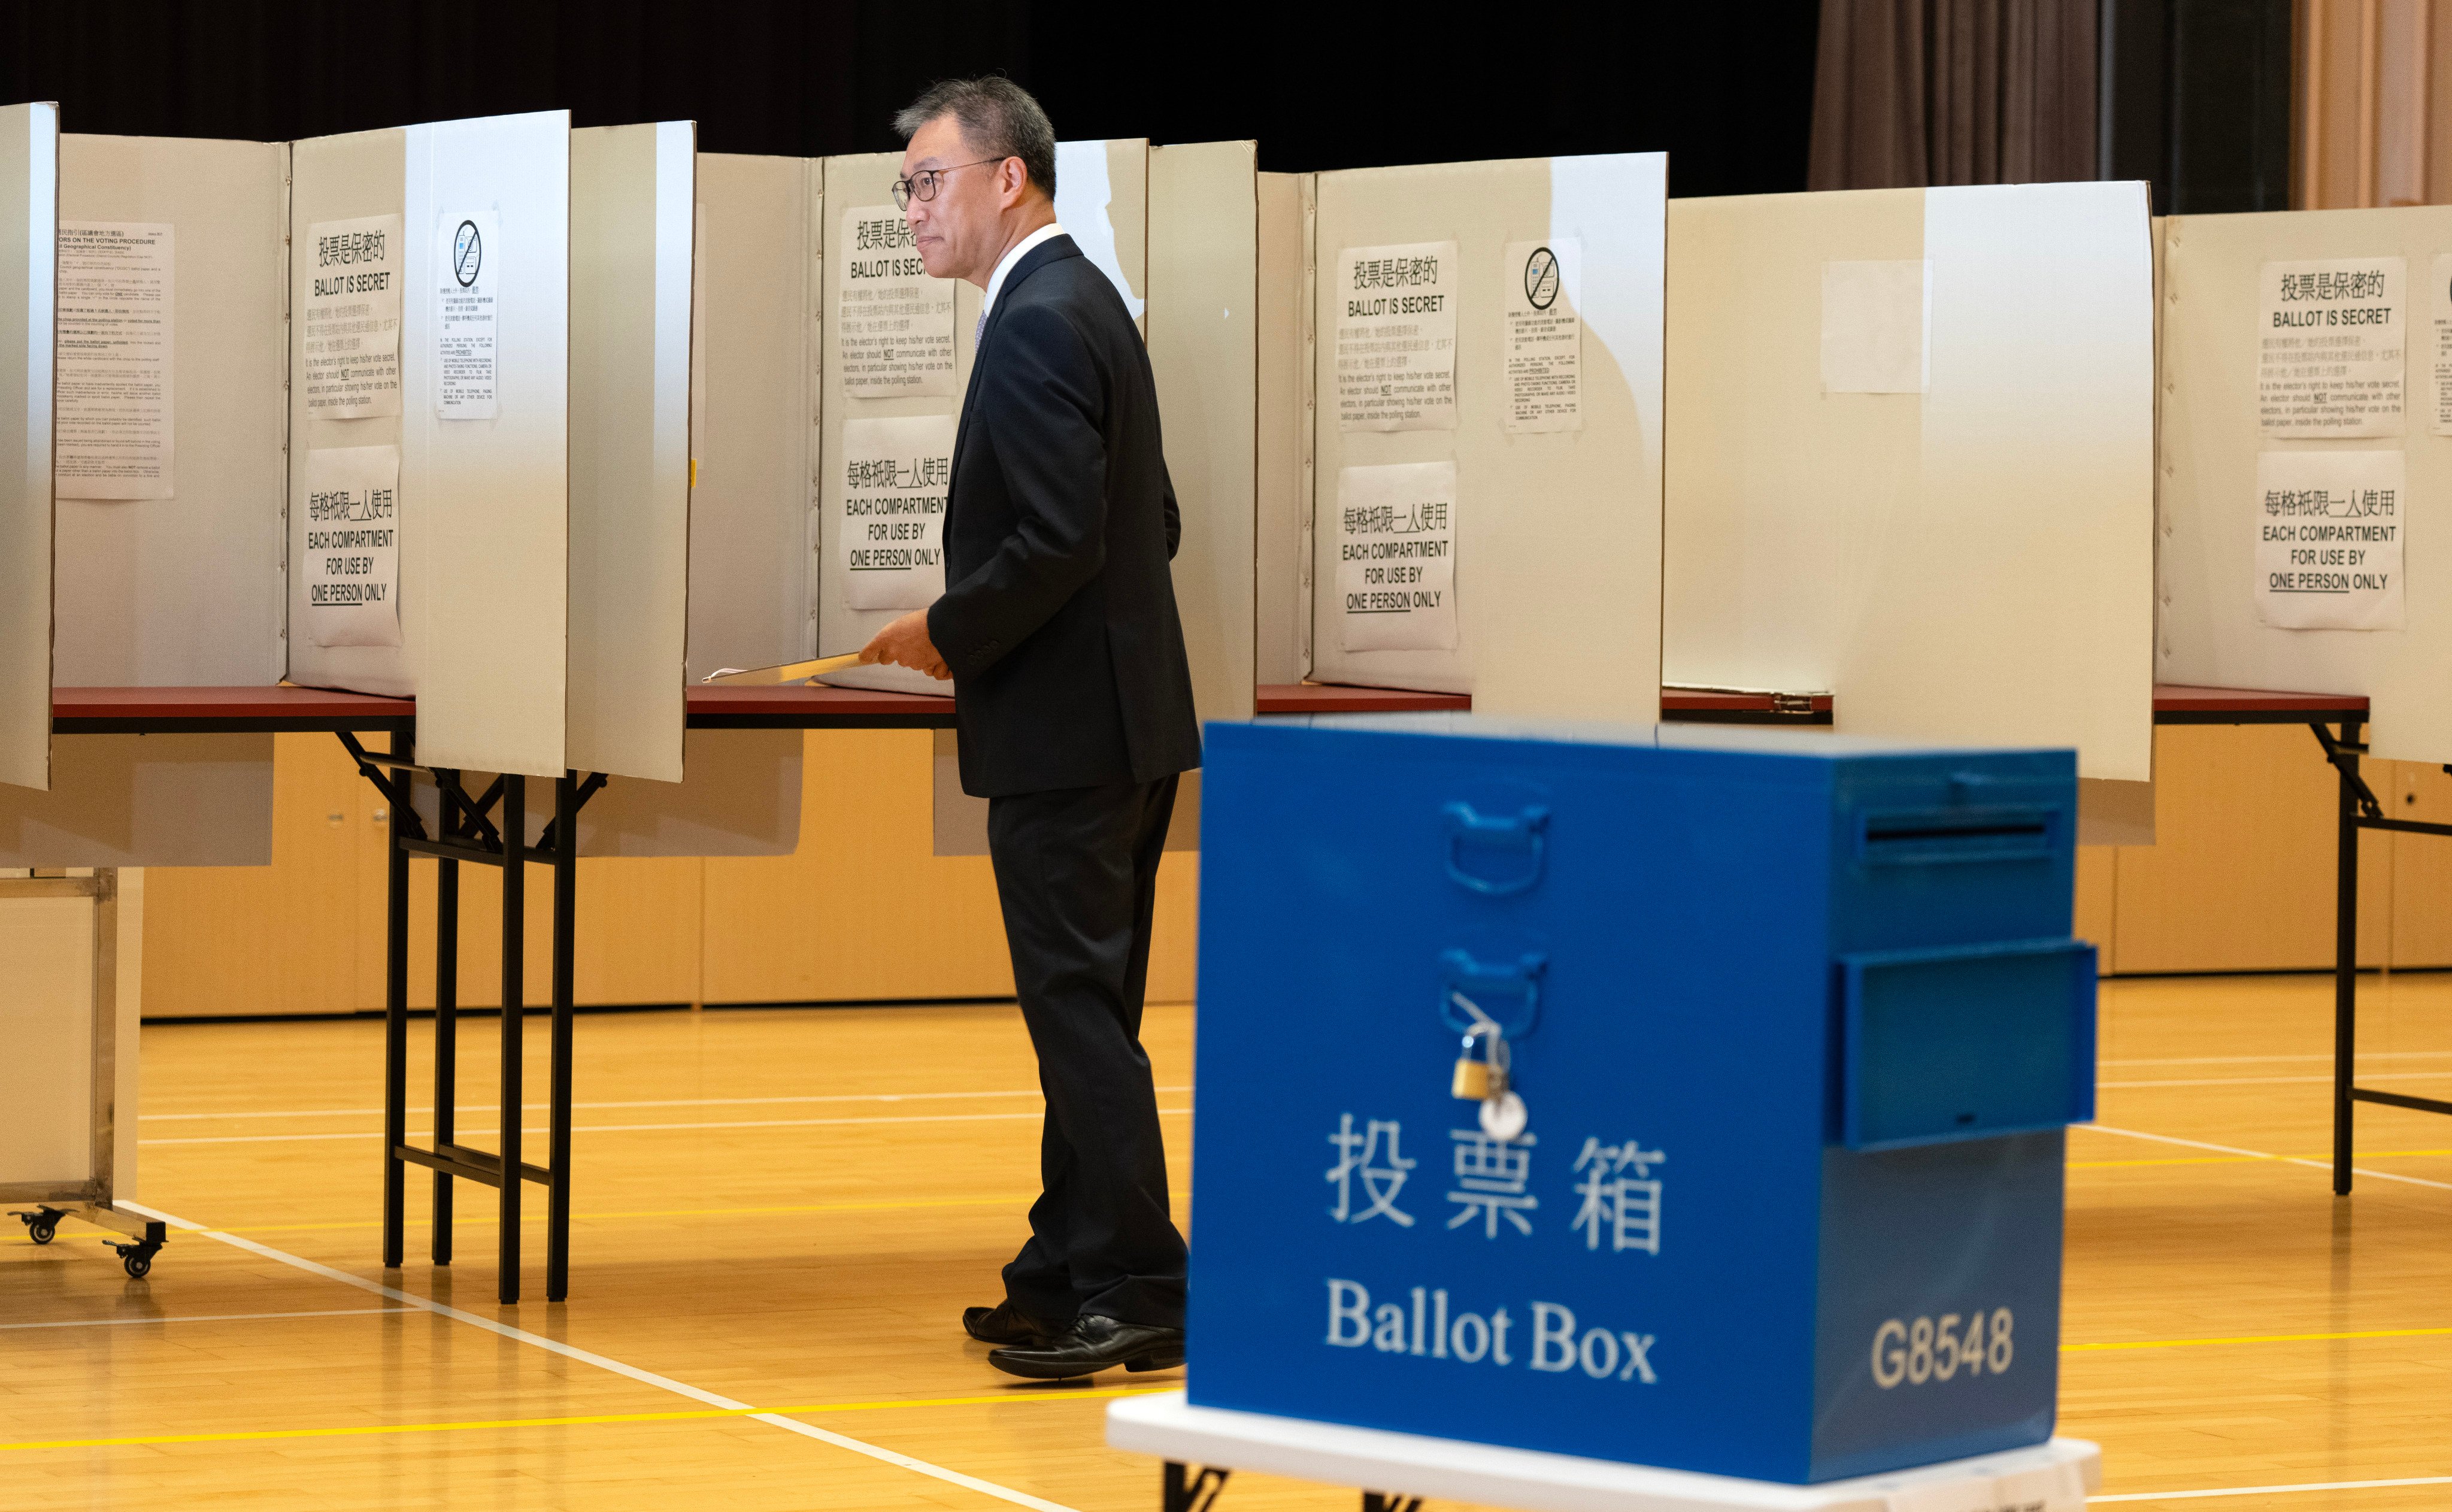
922 184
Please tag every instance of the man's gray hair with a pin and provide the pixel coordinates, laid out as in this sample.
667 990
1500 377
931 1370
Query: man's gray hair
997 118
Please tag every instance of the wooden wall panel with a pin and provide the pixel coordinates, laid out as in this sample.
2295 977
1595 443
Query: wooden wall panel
2098 871
209 931
2421 864
2241 875
2242 880
864 911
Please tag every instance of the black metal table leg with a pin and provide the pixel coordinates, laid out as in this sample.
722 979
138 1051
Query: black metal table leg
515 834
447 1013
2345 959
566 879
395 1173
1183 1489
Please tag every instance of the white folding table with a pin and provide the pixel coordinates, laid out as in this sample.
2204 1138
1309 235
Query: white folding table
1201 1444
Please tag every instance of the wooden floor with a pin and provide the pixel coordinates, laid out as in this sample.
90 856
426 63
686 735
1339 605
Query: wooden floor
786 1210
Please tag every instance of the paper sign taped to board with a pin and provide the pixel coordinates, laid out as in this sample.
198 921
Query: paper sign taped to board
467 315
350 314
2329 539
2441 423
893 325
116 305
353 545
1542 295
1395 337
1396 557
1876 327
2330 340
893 526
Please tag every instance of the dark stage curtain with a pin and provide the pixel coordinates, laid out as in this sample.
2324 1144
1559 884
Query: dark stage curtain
1726 90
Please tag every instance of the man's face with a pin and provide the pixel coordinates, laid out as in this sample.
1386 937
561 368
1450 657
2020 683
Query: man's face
958 233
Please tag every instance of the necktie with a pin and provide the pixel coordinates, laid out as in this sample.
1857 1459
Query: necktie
980 331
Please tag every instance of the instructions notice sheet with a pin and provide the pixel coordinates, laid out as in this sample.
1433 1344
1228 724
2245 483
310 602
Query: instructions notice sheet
1542 292
893 325
1396 557
2328 539
2330 337
113 430
348 305
1395 337
893 526
2442 353
466 313
353 545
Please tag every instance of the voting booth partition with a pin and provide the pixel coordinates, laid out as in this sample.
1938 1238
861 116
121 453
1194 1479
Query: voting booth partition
831 375
2306 451
1475 504
403 412
1639 1113
29 238
1910 465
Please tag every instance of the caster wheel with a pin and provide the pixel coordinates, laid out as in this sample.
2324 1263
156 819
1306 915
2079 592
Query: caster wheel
137 1264
40 1230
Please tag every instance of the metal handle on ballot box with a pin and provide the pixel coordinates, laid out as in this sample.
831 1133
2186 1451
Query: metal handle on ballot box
1524 830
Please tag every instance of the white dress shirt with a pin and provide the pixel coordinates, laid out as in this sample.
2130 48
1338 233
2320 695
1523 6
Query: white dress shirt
1004 266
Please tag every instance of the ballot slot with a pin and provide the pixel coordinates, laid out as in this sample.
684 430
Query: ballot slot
1925 836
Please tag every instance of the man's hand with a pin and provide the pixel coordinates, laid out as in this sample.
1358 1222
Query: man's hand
905 642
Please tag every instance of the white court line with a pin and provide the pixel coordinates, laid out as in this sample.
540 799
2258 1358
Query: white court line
2270 1490
671 1102
210 1317
2262 1155
627 1128
585 1356
2276 1081
2249 1059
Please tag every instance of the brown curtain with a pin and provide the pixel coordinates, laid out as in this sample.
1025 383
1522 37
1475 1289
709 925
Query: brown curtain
1910 93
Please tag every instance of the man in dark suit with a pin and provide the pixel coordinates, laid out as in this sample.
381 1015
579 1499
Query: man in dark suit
1073 702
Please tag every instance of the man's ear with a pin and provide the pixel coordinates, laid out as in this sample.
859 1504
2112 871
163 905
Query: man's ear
1013 182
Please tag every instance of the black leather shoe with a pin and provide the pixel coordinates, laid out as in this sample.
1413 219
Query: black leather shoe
1005 1323
1092 1343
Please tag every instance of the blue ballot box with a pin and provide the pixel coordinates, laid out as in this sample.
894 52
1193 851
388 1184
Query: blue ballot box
1795 1022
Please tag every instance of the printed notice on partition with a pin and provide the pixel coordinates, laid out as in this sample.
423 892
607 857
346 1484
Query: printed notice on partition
2328 539
114 315
350 318
893 325
353 545
1395 337
2331 342
467 315
893 527
1542 292
1396 557
2441 353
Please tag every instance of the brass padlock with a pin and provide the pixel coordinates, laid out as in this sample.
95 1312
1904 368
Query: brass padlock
1480 1080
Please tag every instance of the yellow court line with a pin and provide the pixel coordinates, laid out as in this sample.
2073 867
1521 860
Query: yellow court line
660 1212
2257 1339
356 1430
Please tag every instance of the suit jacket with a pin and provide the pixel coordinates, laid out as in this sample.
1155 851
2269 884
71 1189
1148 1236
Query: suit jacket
1060 623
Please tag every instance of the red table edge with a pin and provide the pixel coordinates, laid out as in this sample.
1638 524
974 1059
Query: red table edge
172 705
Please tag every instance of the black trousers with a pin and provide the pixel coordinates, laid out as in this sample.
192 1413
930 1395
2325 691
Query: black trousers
1077 873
